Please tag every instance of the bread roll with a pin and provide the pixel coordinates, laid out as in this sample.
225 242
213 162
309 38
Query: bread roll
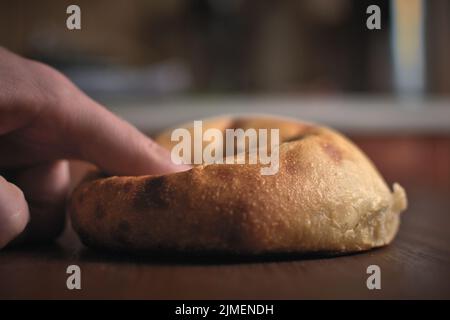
326 197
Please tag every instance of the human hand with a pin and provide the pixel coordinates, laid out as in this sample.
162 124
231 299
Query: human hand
44 119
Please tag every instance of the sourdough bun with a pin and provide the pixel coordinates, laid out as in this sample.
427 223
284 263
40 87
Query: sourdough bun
326 197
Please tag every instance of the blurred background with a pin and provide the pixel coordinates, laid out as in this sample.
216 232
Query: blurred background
159 62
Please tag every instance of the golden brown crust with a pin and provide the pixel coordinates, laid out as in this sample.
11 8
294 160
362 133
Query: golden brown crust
326 197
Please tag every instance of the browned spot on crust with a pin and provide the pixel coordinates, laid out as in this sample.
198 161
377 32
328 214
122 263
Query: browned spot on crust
233 221
122 233
223 173
81 195
332 151
300 136
238 124
153 195
99 211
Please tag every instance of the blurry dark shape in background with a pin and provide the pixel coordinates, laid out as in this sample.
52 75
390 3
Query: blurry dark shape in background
222 46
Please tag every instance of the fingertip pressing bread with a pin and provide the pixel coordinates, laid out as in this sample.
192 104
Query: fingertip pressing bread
326 197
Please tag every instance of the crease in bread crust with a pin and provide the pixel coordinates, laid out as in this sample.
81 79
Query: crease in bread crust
326 197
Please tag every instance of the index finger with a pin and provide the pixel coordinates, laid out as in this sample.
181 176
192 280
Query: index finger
116 146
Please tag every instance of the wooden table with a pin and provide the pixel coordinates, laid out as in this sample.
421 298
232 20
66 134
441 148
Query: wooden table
416 265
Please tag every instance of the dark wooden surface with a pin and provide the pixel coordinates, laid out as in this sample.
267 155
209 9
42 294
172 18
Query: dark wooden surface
416 265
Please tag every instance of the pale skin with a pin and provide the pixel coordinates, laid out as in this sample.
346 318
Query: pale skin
45 120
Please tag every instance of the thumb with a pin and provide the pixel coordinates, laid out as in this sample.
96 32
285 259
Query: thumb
14 213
